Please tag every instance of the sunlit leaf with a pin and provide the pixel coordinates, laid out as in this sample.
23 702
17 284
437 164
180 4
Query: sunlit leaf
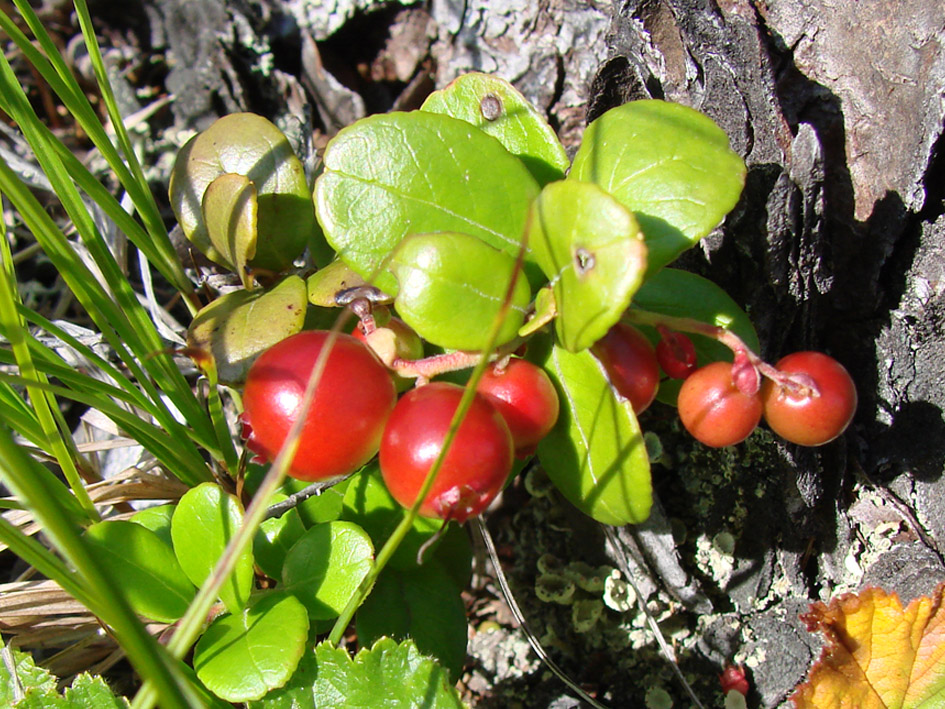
324 568
423 604
158 520
230 212
667 163
595 454
452 286
496 107
238 326
249 145
877 654
205 520
244 655
29 674
86 692
386 675
151 577
396 174
592 251
325 283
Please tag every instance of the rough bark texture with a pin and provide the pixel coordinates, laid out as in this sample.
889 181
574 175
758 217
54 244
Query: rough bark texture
837 244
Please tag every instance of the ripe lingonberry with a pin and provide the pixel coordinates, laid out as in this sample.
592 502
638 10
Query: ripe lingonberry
344 424
676 354
475 467
714 410
801 416
526 398
630 363
733 678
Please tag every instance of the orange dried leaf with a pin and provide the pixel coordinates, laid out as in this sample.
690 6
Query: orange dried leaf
877 655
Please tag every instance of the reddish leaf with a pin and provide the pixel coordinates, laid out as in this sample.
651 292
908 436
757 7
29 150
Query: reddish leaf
877 655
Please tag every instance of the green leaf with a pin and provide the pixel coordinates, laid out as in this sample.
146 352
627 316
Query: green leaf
423 604
452 287
249 145
387 675
86 692
591 249
205 520
595 454
230 212
324 568
324 507
30 676
158 520
326 282
667 163
497 108
151 578
237 327
275 537
245 655
396 174
368 504
683 294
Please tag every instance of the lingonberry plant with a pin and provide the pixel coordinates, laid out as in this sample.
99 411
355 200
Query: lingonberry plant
541 282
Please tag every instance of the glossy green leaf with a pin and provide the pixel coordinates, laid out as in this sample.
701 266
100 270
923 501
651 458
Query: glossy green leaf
323 569
497 108
326 283
595 454
275 537
368 504
205 520
230 213
245 655
667 163
145 567
592 251
391 175
423 604
387 675
683 294
249 145
237 327
452 287
158 520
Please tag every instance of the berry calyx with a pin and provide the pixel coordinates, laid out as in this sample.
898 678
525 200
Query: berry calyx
344 424
714 410
814 403
675 353
630 363
525 397
475 467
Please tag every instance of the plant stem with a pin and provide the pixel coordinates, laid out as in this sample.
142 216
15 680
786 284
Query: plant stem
796 385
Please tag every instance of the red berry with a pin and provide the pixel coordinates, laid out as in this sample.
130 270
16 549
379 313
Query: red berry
475 468
801 418
676 354
527 400
713 409
630 363
344 424
733 677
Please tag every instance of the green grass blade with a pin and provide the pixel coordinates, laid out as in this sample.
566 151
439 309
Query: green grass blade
57 74
18 472
58 440
167 449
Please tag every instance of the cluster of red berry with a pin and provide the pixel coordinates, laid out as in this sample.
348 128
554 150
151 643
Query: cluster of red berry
807 398
355 413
